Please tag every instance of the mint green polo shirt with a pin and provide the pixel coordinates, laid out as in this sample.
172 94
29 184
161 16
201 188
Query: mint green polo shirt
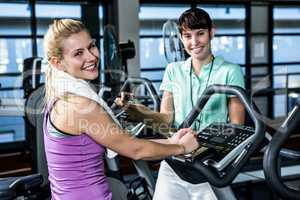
185 85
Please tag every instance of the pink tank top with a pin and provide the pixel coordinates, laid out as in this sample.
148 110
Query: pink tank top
75 165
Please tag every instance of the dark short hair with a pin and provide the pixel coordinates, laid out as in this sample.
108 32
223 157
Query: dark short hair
194 18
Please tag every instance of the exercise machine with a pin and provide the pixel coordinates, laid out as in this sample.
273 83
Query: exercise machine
25 187
149 97
225 147
274 153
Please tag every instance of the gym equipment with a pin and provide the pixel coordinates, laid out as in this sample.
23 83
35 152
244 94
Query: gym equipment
28 187
112 55
219 163
30 81
115 60
31 74
25 187
173 48
146 179
130 85
34 116
274 151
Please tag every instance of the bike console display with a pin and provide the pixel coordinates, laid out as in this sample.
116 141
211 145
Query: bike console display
225 141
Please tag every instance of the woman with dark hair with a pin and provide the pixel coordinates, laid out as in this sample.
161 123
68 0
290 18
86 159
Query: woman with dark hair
183 83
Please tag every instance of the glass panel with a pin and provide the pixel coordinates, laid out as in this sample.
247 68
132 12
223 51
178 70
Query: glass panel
161 12
12 54
40 49
259 78
279 106
6 81
45 14
101 43
279 69
228 19
153 17
153 75
294 81
286 48
286 19
259 50
11 93
101 19
231 48
152 53
259 70
14 19
11 129
279 81
282 71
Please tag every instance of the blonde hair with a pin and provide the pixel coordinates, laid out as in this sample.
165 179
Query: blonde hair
58 32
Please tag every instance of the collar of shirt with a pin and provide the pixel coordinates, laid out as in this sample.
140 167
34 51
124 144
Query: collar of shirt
217 63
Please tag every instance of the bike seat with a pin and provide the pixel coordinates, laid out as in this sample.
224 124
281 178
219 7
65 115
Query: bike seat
11 187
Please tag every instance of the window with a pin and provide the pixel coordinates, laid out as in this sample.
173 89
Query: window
15 45
286 59
152 18
45 13
229 41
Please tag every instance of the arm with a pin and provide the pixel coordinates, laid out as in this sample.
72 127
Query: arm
236 111
90 118
158 121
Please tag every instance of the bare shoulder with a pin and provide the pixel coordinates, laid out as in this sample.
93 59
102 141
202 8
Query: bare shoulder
78 103
67 113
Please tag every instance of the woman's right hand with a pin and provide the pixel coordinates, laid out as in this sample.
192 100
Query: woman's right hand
123 100
135 112
189 142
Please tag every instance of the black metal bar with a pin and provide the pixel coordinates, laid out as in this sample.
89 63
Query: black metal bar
248 47
217 35
9 147
33 27
286 34
270 58
186 2
11 74
16 36
10 88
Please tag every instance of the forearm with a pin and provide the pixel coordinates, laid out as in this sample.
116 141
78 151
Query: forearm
158 149
159 122
236 111
161 141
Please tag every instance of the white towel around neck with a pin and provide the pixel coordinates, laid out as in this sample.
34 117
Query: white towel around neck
65 83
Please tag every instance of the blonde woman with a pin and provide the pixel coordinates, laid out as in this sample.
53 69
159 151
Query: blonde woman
78 125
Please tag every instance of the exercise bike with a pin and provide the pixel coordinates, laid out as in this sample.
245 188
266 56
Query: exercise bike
143 186
28 187
274 153
225 148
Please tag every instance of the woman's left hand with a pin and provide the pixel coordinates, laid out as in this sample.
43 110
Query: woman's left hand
178 135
